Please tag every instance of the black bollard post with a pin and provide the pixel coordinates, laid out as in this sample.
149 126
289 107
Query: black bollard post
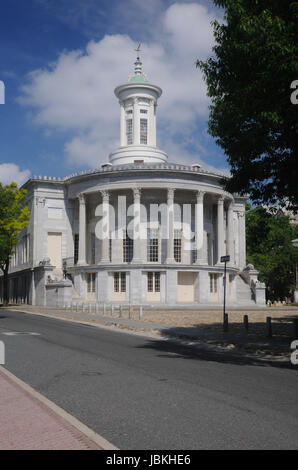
269 327
245 322
226 322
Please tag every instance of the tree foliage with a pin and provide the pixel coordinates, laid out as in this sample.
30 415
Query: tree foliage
248 80
270 249
14 217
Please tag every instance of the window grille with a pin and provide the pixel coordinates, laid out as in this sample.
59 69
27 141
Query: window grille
177 245
129 131
127 248
152 245
143 131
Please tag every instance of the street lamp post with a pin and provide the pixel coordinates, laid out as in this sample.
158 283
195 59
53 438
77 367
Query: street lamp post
295 243
225 259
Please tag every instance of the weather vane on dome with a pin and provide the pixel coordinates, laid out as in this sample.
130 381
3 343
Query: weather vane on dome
138 49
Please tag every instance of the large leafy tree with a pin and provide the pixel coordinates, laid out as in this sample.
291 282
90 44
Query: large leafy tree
249 81
14 217
269 248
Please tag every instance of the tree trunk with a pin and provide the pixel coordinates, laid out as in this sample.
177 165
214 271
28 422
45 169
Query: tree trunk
5 284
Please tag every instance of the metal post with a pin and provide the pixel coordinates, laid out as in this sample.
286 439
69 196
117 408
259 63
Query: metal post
226 322
141 312
104 309
224 279
269 327
245 322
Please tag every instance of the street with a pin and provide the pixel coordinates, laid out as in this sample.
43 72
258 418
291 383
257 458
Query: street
142 392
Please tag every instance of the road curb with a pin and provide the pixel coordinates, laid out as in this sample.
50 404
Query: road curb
74 422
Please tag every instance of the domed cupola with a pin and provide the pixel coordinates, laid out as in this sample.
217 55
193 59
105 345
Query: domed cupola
138 102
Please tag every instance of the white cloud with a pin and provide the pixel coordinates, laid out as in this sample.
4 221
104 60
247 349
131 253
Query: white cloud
9 172
75 94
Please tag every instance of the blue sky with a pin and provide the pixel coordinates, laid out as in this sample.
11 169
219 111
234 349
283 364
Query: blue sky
60 61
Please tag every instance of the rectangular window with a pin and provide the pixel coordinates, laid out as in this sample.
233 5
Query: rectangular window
152 245
177 245
213 283
91 277
76 248
153 282
127 248
119 282
143 131
129 131
143 111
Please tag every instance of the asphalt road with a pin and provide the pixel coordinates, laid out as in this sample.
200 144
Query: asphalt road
143 393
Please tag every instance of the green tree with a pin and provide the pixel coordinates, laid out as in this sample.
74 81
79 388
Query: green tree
14 217
270 249
249 81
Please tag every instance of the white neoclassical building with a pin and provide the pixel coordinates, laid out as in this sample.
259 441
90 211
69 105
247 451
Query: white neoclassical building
137 230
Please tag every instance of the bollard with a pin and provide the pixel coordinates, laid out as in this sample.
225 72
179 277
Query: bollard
77 307
96 309
130 312
141 312
83 308
269 327
245 322
120 311
104 309
112 310
226 322
295 322
89 308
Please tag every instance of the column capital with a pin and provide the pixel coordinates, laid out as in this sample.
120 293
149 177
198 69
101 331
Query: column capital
200 195
170 195
137 193
220 199
82 198
105 194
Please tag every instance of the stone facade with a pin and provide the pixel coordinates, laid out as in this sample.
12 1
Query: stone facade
136 230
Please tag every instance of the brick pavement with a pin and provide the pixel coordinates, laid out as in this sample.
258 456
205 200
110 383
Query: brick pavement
28 424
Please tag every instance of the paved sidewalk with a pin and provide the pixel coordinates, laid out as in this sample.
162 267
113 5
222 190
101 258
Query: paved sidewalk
29 424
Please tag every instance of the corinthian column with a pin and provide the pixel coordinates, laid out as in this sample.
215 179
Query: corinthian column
105 255
82 230
137 257
170 226
230 232
199 216
220 228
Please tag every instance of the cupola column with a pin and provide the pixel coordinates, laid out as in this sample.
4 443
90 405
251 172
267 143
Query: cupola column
123 140
151 124
136 122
